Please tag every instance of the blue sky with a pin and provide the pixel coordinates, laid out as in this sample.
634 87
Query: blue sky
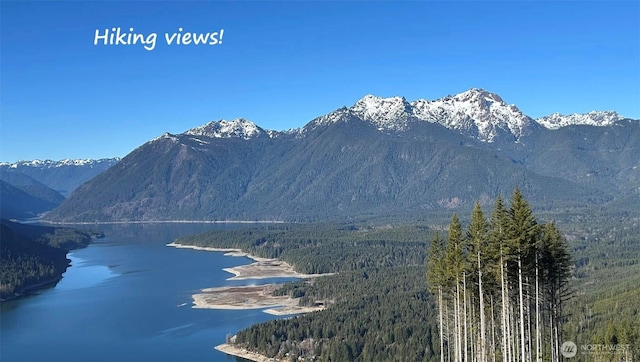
281 64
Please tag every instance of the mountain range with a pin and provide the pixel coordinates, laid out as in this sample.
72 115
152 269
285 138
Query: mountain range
63 176
30 188
381 156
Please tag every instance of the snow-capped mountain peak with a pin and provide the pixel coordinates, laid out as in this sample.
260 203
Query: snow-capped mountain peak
386 113
593 118
476 112
239 127
479 96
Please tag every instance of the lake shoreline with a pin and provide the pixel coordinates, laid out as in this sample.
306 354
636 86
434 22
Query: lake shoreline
232 350
262 268
149 300
33 289
251 297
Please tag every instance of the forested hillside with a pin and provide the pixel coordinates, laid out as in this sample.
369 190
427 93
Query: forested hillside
34 256
605 307
381 157
325 248
379 306
376 314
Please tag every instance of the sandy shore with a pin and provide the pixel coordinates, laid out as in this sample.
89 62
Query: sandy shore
262 268
266 268
241 352
235 252
250 297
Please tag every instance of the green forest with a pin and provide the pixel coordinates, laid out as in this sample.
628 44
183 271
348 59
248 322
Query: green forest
504 285
35 256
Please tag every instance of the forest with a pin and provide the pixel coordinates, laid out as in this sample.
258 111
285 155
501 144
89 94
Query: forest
501 286
35 256
325 248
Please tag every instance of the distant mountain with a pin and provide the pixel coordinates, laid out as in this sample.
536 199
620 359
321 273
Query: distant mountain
23 202
475 113
594 118
62 176
237 128
606 157
381 156
32 187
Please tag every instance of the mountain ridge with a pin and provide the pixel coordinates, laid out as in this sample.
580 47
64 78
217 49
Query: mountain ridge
593 118
374 158
48 163
63 176
476 113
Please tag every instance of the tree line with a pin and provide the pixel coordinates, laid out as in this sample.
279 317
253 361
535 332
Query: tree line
325 248
500 284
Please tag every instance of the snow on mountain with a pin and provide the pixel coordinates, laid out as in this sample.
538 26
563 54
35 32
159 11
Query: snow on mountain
55 164
593 118
386 113
475 110
476 113
239 127
165 136
340 114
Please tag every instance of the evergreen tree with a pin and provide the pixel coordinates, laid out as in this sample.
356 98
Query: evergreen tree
522 233
455 260
497 248
477 236
555 264
435 280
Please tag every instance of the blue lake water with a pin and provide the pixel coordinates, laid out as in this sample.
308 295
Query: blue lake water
127 297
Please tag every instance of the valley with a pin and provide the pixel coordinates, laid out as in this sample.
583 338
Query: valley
310 181
354 199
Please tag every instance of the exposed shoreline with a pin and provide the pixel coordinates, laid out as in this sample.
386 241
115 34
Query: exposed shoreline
251 297
262 268
232 350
